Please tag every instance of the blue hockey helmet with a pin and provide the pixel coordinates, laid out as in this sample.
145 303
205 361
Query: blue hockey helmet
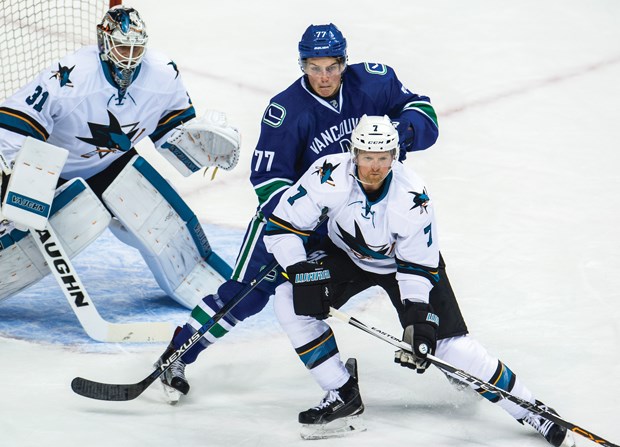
322 41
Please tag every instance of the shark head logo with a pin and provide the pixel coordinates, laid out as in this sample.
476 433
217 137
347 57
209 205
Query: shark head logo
360 247
111 137
63 75
325 173
420 200
174 67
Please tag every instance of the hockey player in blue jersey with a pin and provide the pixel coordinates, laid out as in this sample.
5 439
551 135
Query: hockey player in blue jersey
381 232
312 118
97 104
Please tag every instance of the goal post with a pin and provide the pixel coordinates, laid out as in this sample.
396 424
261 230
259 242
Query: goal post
35 33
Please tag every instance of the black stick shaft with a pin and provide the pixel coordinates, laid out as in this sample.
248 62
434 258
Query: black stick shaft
468 378
123 392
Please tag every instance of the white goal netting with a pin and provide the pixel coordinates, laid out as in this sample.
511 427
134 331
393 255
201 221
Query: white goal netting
34 33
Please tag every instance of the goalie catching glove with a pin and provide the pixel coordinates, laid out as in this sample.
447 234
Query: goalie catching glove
311 288
203 142
421 333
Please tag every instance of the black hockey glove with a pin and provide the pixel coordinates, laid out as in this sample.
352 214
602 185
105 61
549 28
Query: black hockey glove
421 333
311 288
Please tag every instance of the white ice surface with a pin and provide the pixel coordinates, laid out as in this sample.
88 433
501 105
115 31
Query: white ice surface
525 178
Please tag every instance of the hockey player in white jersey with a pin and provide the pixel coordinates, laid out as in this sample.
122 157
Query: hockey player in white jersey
98 103
381 231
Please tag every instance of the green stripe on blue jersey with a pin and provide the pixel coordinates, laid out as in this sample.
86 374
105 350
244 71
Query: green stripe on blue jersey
423 107
265 191
245 253
203 317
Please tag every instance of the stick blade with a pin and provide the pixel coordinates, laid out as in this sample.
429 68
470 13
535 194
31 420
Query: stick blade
109 391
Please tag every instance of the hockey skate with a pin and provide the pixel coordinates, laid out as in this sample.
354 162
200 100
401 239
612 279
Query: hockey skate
173 379
339 412
555 435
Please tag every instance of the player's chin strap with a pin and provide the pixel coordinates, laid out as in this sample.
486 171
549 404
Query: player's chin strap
465 377
28 203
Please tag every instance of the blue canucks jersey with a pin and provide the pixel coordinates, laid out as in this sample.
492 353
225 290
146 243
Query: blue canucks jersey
298 127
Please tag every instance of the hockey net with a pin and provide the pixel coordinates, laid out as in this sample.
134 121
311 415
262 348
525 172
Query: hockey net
37 32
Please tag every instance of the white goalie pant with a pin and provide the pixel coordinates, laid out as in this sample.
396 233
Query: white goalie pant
464 352
153 218
77 216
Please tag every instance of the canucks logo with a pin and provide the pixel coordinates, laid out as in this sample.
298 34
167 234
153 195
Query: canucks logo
360 247
325 173
420 200
63 75
274 115
109 138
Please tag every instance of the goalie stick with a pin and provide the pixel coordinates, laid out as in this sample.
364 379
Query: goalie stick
466 377
95 326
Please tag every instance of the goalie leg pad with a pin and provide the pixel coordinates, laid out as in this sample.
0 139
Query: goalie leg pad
77 216
157 222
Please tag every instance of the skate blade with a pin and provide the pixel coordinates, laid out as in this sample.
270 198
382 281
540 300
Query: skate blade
569 441
171 395
335 429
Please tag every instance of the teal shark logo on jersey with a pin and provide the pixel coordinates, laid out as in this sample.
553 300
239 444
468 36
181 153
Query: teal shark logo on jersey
174 67
63 75
325 173
360 248
109 138
420 200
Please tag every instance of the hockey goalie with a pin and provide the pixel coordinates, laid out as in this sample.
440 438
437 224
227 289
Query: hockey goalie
97 104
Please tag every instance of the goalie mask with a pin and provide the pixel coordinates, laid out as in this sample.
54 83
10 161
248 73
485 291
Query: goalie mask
122 39
322 41
372 137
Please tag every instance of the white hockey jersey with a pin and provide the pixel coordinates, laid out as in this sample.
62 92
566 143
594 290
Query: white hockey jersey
74 104
394 233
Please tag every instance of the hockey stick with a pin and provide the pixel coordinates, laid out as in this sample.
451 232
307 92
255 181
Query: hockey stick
119 392
95 326
466 377
122 392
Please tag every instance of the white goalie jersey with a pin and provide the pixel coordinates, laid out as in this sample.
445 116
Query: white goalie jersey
74 104
395 232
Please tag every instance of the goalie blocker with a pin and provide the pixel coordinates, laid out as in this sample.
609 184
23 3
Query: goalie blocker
33 182
74 212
